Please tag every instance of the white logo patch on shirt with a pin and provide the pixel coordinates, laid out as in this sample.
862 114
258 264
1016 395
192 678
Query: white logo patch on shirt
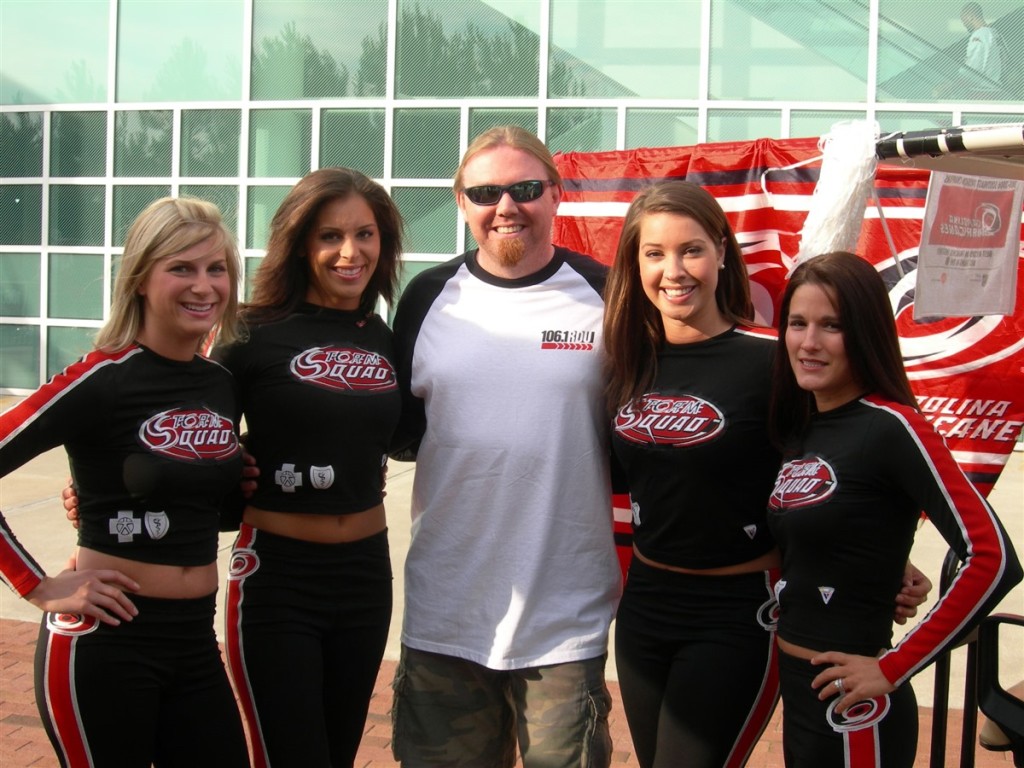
322 478
288 478
826 593
157 524
750 530
125 526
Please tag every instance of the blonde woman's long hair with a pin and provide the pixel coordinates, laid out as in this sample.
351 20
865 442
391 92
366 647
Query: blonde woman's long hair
167 226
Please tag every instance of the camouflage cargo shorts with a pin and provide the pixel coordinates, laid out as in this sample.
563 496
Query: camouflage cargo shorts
452 712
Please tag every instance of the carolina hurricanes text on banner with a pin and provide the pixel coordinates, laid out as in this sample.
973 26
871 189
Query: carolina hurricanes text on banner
967 372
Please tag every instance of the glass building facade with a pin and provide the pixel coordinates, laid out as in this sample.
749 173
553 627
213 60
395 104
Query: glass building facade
106 105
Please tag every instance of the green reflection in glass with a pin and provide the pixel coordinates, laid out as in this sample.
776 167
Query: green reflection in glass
78 144
279 142
19 284
311 49
890 122
75 286
128 204
581 130
409 270
179 50
21 214
54 51
426 143
65 346
142 143
474 49
263 203
19 350
743 124
353 138
76 214
21 136
608 48
430 216
252 264
799 49
808 122
661 127
209 142
482 119
224 196
989 118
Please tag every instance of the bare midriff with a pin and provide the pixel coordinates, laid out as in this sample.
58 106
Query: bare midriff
174 582
766 561
322 529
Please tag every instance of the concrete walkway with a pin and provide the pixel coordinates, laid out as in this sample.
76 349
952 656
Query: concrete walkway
30 500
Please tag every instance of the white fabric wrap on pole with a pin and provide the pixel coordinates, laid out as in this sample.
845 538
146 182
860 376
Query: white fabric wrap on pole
844 185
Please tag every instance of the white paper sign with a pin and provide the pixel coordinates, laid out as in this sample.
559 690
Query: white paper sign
970 246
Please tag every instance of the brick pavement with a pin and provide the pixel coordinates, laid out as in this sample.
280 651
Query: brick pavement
23 743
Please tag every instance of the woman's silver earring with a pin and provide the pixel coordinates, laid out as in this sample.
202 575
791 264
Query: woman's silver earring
721 266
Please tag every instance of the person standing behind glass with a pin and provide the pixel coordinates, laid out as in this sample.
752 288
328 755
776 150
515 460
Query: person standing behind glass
128 672
860 464
310 587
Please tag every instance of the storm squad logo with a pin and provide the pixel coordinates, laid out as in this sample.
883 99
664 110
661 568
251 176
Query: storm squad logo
672 420
192 434
342 368
802 483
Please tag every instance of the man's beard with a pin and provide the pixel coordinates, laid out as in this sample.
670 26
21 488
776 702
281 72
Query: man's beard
511 252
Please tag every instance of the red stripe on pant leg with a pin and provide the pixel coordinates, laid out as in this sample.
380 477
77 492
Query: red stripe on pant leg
58 680
236 656
760 713
861 748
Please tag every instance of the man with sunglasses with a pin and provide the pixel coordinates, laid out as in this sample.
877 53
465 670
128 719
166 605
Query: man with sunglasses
511 580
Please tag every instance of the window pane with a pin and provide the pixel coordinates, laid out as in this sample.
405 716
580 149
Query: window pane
179 50
475 49
309 49
76 214
804 123
279 142
353 138
54 52
19 284
482 119
224 196
426 143
65 346
611 48
409 270
129 201
78 144
799 49
19 346
75 286
209 142
430 216
252 263
988 118
142 144
661 128
21 135
21 214
913 121
263 203
924 56
743 124
581 130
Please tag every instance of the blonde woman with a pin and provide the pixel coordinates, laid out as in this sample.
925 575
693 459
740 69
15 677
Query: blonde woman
128 671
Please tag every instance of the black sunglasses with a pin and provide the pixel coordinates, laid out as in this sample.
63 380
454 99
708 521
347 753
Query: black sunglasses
520 192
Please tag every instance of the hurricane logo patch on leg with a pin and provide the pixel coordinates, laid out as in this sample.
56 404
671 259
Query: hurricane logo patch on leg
71 624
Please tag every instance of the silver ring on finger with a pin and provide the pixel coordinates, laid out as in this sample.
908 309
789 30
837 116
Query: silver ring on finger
840 686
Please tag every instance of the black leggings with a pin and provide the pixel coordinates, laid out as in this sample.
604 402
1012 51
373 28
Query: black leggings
306 627
875 733
696 664
152 691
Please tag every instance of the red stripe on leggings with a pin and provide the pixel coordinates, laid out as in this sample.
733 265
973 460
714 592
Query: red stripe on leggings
58 681
861 748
